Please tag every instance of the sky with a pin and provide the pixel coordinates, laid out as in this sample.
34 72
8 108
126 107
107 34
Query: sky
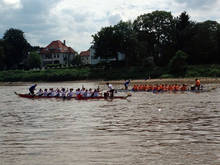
75 21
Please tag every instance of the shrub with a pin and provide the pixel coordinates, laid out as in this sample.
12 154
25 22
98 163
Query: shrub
178 64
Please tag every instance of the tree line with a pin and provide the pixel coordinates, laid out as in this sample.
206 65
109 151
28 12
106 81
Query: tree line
160 39
153 39
16 52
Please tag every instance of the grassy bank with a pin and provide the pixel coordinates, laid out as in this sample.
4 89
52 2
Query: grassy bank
102 73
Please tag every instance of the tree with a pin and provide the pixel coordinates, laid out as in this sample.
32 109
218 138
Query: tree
178 63
113 39
2 55
184 32
16 47
77 60
33 60
126 41
218 44
205 43
104 43
157 28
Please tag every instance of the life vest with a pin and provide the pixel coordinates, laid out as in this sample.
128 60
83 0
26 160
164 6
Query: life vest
135 87
170 88
183 88
176 87
197 82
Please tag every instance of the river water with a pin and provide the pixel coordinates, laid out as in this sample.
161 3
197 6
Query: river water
147 128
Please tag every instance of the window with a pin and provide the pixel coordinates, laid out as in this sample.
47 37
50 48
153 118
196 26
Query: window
48 56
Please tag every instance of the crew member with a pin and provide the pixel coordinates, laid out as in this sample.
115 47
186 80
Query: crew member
197 84
126 84
32 89
111 89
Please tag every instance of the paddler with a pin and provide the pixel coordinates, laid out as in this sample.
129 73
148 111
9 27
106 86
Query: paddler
32 89
127 82
197 84
70 93
111 89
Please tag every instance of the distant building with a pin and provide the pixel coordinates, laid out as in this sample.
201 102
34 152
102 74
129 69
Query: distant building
57 53
88 57
85 57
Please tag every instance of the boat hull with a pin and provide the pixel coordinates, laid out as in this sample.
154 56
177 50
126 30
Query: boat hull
69 98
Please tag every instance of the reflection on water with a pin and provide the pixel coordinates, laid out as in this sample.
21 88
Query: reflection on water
168 128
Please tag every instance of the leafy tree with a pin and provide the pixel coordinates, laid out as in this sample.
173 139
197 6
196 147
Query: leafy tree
16 47
184 32
126 41
113 39
2 55
157 29
218 44
77 60
205 43
104 43
33 60
178 63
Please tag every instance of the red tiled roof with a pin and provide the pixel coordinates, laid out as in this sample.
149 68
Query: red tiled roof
85 53
57 47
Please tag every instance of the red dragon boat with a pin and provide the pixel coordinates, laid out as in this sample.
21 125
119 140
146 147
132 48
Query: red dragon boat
68 98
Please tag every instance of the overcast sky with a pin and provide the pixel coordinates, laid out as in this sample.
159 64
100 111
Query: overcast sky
75 21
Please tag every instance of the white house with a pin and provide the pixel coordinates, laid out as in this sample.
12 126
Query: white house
57 53
88 57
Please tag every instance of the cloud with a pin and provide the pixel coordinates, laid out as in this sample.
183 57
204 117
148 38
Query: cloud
76 21
14 4
197 4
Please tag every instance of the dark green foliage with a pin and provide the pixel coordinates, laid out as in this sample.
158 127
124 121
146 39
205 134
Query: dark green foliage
178 64
205 43
77 60
203 71
33 60
16 47
150 45
185 30
97 73
2 55
155 31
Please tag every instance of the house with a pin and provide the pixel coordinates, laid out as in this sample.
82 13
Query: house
88 57
85 57
57 53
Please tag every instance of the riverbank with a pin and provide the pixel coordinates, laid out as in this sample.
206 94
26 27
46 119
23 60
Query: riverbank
118 73
188 81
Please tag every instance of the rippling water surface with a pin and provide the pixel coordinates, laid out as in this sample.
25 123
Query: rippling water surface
147 128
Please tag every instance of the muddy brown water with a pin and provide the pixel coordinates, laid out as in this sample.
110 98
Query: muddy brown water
147 128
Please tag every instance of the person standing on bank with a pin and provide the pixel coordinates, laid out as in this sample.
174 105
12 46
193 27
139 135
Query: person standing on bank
111 89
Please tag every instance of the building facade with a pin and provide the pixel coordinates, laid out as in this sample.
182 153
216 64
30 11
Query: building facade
88 57
85 57
57 53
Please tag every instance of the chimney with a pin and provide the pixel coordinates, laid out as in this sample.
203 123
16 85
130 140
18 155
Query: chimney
64 42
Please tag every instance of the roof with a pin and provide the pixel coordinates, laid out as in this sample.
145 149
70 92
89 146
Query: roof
57 47
85 53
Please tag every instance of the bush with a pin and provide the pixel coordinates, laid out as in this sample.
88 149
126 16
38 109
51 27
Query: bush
166 76
178 64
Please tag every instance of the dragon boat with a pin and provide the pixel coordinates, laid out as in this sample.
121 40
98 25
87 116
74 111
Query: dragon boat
167 91
29 96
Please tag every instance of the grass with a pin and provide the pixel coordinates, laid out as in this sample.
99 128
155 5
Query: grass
93 73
